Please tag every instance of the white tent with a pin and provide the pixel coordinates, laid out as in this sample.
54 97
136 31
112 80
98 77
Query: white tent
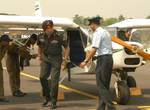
132 23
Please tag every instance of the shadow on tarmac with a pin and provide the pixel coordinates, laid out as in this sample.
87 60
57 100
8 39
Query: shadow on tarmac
75 104
30 98
19 108
141 100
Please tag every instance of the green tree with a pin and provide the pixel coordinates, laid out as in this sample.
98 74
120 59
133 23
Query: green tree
109 21
121 17
80 20
76 19
86 21
148 17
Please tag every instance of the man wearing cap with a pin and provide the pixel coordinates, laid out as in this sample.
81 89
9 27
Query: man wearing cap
4 43
102 47
50 44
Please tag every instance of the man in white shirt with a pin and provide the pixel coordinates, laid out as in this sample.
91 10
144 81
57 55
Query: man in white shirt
101 46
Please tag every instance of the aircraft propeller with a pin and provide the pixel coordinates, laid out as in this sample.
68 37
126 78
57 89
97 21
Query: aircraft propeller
134 49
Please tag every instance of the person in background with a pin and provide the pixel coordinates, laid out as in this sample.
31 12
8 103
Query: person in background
29 43
128 34
124 34
4 43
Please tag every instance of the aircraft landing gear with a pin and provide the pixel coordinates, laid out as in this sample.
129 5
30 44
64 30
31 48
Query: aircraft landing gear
131 81
122 86
121 92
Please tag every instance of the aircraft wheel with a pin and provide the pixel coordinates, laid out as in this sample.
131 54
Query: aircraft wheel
121 93
131 81
123 75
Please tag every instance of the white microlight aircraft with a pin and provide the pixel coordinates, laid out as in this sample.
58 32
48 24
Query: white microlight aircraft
124 60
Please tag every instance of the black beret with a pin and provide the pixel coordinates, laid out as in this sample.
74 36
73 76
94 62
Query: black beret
5 37
46 23
33 36
95 20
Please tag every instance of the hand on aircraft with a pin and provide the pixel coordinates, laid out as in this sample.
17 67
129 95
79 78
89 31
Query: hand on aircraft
83 64
40 58
34 56
24 52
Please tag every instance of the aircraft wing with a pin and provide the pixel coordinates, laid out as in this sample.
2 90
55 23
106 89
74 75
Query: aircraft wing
132 23
132 48
8 22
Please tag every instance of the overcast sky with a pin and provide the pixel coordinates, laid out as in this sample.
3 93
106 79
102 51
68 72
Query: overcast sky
68 8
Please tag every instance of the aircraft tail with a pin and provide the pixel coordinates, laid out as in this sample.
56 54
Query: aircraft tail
38 11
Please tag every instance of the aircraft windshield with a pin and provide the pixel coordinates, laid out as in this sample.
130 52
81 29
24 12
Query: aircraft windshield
142 36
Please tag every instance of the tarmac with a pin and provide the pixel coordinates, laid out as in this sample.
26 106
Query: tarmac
79 94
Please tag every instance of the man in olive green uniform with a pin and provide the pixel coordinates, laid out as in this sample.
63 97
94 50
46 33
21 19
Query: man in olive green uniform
50 53
4 43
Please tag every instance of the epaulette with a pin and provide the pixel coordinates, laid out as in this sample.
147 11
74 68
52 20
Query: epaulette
58 33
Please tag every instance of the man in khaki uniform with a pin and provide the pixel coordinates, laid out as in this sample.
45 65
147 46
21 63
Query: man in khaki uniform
13 67
4 43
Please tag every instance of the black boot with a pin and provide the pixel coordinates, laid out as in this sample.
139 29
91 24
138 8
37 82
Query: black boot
111 106
53 106
18 93
45 102
4 100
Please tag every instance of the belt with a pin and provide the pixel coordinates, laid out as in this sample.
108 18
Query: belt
96 57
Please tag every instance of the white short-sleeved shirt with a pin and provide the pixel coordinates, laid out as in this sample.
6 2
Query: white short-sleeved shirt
102 42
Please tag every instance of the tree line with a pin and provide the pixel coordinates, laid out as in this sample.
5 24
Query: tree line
83 21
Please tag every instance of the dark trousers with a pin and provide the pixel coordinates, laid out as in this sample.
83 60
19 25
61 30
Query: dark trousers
103 76
50 67
24 62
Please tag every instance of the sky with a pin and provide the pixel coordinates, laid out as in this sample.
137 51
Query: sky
87 8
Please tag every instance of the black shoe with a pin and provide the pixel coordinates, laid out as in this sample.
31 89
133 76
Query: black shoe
45 102
111 107
22 92
53 106
18 93
4 100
